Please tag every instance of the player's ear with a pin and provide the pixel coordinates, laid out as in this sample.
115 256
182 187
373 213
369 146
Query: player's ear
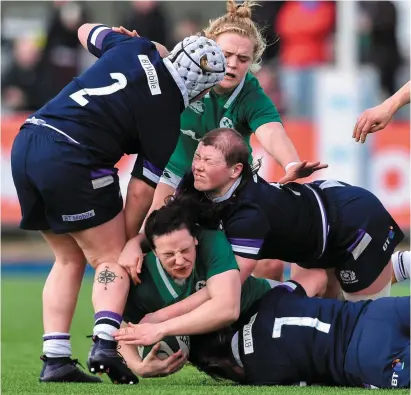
236 170
195 241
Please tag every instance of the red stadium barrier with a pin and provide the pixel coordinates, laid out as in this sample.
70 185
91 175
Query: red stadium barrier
390 165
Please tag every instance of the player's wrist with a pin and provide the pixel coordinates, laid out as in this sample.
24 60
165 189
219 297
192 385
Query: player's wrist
290 164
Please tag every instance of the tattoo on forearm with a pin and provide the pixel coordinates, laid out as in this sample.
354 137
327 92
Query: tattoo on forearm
105 277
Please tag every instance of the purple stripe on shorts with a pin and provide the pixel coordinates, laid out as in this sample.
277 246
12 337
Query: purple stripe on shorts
289 289
100 38
256 243
108 314
101 173
361 233
56 337
155 170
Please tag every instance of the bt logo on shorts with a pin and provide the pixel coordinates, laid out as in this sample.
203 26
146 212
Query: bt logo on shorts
391 235
348 277
78 217
397 366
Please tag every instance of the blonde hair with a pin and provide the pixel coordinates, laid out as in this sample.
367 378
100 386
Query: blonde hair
238 20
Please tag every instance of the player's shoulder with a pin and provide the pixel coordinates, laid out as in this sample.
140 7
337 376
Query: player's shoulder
252 96
251 88
206 234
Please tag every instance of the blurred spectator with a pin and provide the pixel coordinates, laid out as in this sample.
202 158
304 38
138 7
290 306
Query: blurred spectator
306 33
268 81
266 17
60 62
21 87
190 24
379 21
149 18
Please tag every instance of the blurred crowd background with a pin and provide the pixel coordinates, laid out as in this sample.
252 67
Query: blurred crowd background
41 54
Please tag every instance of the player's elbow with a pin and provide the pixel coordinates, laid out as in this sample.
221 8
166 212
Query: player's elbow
82 34
231 312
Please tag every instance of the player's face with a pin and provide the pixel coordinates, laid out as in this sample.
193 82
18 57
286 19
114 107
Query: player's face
238 51
210 170
177 253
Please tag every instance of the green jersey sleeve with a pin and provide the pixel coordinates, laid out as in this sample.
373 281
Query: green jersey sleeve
252 290
259 109
215 253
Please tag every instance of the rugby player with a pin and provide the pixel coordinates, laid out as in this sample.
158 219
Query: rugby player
290 339
324 224
186 258
238 102
63 164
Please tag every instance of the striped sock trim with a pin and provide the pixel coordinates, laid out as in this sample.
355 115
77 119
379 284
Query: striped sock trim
56 336
108 314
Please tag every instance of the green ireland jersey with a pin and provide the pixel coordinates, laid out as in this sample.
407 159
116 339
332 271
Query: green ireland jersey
245 109
158 290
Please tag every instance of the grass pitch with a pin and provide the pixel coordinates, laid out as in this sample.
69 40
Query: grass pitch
22 345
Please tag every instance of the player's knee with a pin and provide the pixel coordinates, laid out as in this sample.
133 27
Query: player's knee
72 258
139 189
383 293
269 268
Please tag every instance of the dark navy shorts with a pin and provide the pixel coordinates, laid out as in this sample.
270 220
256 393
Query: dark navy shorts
362 235
59 185
379 351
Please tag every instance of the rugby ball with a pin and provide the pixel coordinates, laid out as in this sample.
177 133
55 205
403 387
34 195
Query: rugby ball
168 346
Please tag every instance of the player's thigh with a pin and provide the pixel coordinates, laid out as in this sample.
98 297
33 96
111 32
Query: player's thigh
65 248
79 192
269 268
314 281
382 323
32 205
103 243
362 241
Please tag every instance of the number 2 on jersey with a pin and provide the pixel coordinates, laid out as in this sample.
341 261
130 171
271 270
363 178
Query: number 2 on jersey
121 83
299 321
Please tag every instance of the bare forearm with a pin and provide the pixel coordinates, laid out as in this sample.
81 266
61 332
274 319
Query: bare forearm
399 99
185 306
212 315
139 198
276 142
133 360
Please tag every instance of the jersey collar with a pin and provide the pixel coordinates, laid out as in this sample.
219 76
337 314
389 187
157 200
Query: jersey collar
228 194
179 81
235 350
235 93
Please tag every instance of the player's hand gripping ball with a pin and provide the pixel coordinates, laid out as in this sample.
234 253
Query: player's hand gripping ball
168 346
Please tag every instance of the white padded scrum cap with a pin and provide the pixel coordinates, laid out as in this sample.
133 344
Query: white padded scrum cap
200 62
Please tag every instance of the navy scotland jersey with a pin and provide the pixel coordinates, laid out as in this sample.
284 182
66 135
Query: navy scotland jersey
123 104
324 224
264 220
292 338
63 159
